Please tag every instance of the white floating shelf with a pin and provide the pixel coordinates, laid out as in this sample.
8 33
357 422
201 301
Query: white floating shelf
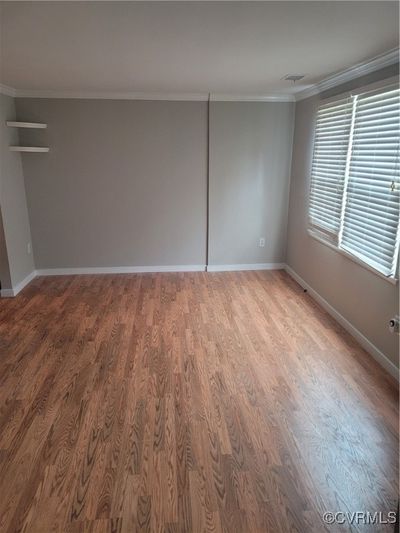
14 124
29 149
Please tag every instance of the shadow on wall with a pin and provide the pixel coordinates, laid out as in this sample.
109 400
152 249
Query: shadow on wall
5 278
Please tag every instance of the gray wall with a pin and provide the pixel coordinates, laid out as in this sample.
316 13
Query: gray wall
14 212
250 155
362 297
124 183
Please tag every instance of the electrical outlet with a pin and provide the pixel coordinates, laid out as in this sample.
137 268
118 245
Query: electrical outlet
261 242
29 248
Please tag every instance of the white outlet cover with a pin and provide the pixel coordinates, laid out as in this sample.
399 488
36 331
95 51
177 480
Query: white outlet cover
261 242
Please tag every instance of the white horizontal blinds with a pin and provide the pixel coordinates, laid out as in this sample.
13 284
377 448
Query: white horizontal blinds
371 212
329 165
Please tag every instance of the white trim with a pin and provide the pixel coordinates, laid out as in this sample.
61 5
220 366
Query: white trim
361 69
248 266
354 332
8 91
110 95
9 293
119 270
16 124
41 149
252 98
202 97
18 288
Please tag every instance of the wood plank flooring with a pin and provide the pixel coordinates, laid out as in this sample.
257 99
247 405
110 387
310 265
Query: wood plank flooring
188 403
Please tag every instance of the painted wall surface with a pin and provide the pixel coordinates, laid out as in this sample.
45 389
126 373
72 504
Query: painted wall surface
124 183
359 295
13 204
250 155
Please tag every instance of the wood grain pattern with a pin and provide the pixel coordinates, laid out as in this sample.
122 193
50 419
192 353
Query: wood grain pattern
191 402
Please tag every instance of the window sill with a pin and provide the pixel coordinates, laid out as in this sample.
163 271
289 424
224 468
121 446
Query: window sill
315 236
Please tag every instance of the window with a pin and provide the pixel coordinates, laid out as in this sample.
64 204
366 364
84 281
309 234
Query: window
355 177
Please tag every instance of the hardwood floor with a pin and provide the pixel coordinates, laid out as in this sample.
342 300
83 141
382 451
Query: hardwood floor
188 403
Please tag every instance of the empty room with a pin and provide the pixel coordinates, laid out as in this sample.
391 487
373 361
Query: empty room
199 266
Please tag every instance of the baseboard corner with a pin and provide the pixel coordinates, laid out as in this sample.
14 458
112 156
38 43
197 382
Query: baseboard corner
7 293
10 293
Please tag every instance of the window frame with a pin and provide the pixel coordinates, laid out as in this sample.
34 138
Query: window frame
318 233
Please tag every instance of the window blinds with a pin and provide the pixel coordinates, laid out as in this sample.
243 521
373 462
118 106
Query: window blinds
329 163
355 178
371 213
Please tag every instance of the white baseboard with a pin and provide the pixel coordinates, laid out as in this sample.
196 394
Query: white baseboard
365 343
354 332
119 270
249 266
9 293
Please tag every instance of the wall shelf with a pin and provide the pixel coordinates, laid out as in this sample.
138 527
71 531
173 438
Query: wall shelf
16 124
29 149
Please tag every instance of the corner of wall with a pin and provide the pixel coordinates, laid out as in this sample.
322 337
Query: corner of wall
18 263
290 181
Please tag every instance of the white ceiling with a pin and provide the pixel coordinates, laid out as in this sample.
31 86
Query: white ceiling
188 47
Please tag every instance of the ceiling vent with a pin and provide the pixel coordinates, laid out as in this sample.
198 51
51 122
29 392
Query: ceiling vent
293 77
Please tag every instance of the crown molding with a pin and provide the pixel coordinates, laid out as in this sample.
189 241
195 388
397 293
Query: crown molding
8 91
198 97
252 97
110 95
361 69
